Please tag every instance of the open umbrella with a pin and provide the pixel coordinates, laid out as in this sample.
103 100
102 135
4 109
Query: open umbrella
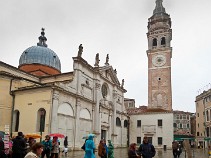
32 135
59 135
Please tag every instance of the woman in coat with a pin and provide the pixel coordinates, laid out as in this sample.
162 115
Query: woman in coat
132 151
89 147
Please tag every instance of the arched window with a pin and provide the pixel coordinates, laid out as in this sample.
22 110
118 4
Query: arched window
41 120
154 42
118 122
16 117
163 41
125 123
175 125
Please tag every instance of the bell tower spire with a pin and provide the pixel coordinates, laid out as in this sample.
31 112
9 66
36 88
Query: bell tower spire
159 7
159 59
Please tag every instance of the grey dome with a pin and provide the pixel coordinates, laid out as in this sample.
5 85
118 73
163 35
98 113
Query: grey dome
40 55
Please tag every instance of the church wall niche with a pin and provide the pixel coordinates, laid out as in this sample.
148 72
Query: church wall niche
66 122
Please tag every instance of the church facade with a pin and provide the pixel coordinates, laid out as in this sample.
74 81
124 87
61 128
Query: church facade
90 99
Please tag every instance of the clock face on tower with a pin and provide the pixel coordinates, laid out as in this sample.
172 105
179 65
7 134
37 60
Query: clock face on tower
159 60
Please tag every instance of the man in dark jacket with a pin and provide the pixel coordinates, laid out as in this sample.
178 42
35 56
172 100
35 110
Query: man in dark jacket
146 149
19 146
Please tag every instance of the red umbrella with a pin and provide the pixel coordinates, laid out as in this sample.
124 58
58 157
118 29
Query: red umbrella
59 135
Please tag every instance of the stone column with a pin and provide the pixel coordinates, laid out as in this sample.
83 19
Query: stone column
54 110
114 134
110 125
77 124
97 116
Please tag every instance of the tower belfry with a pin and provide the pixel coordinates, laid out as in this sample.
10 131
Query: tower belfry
159 59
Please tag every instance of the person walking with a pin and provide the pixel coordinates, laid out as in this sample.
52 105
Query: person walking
55 148
146 149
89 147
65 146
132 153
36 151
19 146
110 149
101 149
175 147
47 147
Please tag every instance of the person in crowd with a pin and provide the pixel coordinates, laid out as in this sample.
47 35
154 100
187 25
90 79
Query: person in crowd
89 147
132 153
110 149
55 148
65 146
146 149
36 151
30 142
2 153
102 149
175 147
179 150
106 147
47 147
19 146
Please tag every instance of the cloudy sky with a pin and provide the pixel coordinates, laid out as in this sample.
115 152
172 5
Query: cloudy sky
117 28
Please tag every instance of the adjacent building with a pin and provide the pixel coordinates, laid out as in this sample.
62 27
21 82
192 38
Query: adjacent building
203 118
182 126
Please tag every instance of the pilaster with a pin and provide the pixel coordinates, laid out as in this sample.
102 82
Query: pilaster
54 119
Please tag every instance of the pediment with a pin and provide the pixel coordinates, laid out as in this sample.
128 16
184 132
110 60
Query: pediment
108 73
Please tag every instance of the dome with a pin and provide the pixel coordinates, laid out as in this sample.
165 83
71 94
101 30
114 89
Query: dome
40 55
40 60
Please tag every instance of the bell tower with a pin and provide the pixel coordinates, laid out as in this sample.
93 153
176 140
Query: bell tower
159 55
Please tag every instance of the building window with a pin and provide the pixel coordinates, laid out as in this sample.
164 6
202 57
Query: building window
184 125
198 125
125 123
180 117
138 123
208 132
175 125
198 114
188 126
154 43
180 125
197 133
160 123
163 41
41 120
177 117
160 140
207 115
16 117
138 140
184 117
118 122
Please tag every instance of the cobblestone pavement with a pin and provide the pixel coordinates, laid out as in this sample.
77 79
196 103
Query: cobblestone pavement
122 153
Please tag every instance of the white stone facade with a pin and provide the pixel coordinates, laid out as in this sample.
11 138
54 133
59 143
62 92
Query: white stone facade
147 125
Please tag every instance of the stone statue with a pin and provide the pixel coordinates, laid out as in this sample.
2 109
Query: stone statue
107 60
80 50
115 71
123 81
97 60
